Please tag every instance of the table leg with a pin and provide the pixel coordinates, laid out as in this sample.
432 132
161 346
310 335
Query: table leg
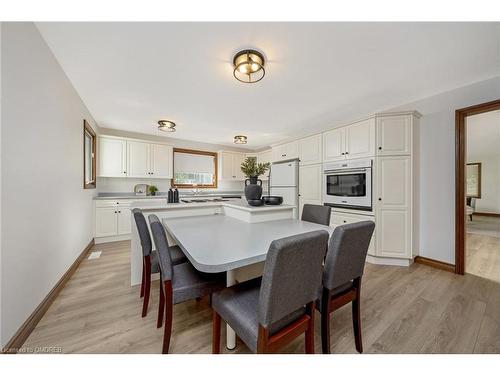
230 334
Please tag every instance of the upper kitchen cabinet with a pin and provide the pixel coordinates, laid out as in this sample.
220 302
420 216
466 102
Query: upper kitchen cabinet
119 157
230 166
310 150
265 157
161 161
286 151
394 134
350 142
112 157
138 159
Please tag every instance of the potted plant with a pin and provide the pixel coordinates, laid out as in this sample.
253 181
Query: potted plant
252 170
152 190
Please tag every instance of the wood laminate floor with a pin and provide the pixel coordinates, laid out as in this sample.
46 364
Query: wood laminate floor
482 250
404 310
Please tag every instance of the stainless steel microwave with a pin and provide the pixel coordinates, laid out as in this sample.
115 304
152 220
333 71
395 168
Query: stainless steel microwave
348 184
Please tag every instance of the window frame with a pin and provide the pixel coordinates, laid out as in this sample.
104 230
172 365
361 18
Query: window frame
87 130
213 185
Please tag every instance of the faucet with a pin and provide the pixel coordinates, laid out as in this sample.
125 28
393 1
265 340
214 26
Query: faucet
196 191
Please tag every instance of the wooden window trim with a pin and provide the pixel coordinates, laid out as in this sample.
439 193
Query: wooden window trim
460 161
213 185
87 129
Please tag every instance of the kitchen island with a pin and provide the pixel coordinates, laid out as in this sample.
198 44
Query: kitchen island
238 210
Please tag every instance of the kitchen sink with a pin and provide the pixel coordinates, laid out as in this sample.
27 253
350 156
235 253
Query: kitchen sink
204 200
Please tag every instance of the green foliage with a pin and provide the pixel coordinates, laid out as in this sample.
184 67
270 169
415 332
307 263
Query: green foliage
153 189
251 168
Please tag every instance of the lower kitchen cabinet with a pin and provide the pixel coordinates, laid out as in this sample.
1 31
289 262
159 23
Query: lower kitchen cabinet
124 220
106 222
342 218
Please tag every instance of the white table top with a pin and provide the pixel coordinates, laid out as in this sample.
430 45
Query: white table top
220 243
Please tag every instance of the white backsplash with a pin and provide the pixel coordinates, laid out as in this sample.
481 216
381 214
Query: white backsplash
125 185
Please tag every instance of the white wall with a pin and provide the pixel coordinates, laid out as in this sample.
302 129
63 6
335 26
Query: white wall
46 213
437 163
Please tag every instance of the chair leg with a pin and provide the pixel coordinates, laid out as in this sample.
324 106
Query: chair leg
356 317
161 308
325 322
310 329
168 316
147 289
142 281
215 333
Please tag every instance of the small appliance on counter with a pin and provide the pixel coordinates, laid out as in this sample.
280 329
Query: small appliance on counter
141 189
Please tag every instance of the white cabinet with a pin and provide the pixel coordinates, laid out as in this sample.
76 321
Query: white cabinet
112 157
333 145
138 159
230 166
120 157
124 221
106 223
310 178
161 161
286 151
350 142
393 206
394 134
360 139
310 150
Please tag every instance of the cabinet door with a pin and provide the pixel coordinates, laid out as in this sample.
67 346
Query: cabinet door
124 220
360 139
310 150
161 161
291 150
265 157
278 153
310 178
237 160
334 145
112 157
226 166
105 222
138 159
393 206
394 135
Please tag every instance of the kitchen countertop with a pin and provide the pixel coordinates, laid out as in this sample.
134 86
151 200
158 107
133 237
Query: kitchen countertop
162 195
237 204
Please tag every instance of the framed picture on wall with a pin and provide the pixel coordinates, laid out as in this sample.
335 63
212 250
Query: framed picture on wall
473 184
89 156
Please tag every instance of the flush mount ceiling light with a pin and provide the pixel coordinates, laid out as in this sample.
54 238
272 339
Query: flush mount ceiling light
240 139
249 66
166 126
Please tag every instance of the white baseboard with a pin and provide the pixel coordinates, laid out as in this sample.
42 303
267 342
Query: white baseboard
122 237
385 261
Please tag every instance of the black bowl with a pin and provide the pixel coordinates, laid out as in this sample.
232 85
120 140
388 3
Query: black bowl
255 202
272 200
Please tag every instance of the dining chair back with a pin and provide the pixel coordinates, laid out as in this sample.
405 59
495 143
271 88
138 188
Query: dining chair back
315 213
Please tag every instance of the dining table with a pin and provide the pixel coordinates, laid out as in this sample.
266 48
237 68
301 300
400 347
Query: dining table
219 243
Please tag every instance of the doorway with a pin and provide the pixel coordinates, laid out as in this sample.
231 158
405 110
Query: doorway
477 222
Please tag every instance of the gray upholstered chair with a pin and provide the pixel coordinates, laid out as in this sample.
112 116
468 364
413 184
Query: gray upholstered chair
178 283
316 214
344 265
150 258
269 312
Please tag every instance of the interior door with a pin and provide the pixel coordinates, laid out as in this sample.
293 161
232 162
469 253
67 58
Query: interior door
112 157
138 159
161 161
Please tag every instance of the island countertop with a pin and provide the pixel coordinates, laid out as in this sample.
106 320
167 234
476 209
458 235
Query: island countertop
236 204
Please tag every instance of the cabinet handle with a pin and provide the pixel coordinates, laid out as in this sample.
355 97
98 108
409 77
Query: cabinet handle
380 147
343 153
116 212
124 172
119 212
345 221
380 199
346 153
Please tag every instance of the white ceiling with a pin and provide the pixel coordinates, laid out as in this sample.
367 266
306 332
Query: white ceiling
318 74
483 135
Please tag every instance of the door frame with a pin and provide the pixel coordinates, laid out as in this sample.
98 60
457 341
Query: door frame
460 161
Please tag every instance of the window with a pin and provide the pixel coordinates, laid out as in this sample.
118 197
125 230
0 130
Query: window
194 168
89 156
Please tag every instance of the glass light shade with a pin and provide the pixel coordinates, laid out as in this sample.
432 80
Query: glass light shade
166 126
240 139
249 66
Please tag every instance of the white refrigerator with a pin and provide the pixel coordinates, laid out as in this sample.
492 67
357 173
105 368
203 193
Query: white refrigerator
284 182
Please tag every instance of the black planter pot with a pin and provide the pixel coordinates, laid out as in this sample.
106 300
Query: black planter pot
253 190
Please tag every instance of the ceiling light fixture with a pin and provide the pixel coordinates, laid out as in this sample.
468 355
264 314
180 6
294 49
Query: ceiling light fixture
249 66
166 126
240 139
